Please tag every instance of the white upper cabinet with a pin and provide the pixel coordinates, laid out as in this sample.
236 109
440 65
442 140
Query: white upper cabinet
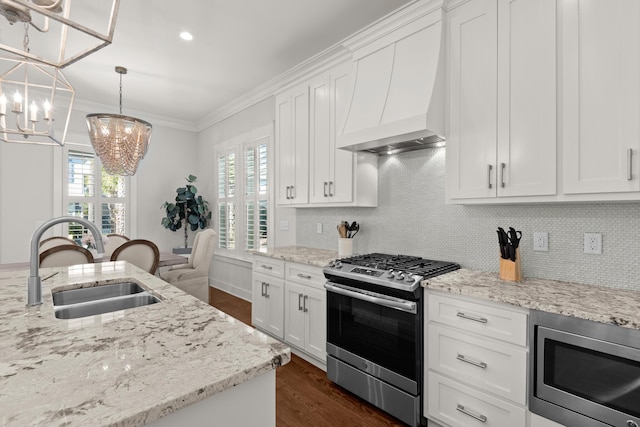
502 99
601 96
292 146
331 169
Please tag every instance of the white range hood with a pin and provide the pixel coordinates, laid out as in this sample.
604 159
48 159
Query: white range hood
397 92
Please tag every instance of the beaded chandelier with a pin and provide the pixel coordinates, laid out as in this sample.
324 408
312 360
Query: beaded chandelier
119 141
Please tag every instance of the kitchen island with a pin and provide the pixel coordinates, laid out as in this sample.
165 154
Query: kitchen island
176 362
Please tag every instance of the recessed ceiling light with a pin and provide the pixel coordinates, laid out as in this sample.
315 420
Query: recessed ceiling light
185 35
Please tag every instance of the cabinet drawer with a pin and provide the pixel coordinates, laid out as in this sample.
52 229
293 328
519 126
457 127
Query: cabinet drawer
497 368
271 266
487 320
457 405
305 275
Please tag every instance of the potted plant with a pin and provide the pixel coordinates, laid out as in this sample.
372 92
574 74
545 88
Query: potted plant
188 210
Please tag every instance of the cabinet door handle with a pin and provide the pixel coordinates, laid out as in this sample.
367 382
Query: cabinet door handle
490 168
474 318
325 189
472 414
300 306
266 290
304 303
263 292
304 276
463 358
287 193
629 164
502 166
330 188
266 267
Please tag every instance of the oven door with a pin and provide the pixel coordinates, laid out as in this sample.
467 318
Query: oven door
375 333
579 376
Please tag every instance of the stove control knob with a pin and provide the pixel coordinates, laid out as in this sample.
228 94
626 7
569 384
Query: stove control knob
409 278
337 264
399 276
390 273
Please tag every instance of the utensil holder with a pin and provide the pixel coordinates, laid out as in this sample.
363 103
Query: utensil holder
345 246
511 270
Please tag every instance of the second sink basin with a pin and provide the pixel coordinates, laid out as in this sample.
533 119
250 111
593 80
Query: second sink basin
94 293
83 302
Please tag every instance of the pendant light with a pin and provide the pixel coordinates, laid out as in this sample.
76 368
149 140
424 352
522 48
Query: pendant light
119 141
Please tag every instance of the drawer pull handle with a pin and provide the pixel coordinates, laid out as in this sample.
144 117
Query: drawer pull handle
463 358
474 318
266 267
304 276
471 414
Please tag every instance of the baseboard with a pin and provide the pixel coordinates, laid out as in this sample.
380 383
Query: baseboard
315 362
231 289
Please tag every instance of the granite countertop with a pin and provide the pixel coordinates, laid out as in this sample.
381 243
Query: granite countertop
124 368
301 255
601 304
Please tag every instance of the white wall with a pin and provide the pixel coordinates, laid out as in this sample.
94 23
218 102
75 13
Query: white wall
231 275
28 195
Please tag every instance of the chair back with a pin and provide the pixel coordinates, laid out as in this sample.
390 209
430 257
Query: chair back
114 241
203 246
139 252
54 241
65 255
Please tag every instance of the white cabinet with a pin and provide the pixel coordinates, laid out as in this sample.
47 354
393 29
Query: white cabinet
476 360
310 170
267 304
600 96
502 99
292 146
305 316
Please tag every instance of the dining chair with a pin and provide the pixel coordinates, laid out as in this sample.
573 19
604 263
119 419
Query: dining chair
65 255
139 252
114 241
54 241
193 276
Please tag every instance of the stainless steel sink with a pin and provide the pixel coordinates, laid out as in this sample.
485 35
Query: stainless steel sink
94 293
83 302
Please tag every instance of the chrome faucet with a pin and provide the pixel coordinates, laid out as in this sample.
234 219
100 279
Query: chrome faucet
34 284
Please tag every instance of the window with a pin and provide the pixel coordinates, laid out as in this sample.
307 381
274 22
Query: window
94 195
242 200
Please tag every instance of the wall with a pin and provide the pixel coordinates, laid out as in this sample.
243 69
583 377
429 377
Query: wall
412 218
28 186
231 275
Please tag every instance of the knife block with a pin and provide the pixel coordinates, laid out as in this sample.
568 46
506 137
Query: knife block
511 270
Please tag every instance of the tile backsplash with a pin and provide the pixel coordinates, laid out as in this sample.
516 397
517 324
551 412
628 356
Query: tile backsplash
413 219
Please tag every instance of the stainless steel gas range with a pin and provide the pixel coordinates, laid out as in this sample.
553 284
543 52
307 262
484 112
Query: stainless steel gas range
375 316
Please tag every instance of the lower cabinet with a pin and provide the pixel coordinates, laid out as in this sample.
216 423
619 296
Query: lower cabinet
476 362
267 304
289 303
538 421
305 319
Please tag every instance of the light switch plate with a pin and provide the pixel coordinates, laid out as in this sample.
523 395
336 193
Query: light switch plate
284 225
319 227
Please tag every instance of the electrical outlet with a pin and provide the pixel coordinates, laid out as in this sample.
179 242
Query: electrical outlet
593 243
541 241
319 227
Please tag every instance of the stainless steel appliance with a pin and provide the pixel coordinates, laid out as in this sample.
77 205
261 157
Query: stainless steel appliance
375 328
584 373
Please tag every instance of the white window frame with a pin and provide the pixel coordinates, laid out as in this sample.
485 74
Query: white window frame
238 145
60 188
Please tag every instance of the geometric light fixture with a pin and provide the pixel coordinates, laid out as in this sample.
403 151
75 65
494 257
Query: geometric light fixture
119 141
33 97
64 30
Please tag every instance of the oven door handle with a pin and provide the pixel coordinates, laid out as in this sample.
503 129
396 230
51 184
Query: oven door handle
396 303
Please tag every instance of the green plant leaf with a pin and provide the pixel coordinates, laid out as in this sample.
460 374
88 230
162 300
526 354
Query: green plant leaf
192 178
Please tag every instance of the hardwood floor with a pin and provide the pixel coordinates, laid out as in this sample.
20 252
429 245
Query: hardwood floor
304 395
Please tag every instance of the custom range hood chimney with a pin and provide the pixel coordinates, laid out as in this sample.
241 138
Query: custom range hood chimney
397 92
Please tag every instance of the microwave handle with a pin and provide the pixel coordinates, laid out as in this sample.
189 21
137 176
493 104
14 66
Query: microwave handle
398 304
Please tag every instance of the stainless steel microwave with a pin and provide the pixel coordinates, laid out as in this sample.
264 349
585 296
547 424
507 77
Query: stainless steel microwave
584 373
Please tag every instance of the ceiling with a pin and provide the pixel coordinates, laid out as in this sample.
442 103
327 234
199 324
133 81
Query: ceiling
238 45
